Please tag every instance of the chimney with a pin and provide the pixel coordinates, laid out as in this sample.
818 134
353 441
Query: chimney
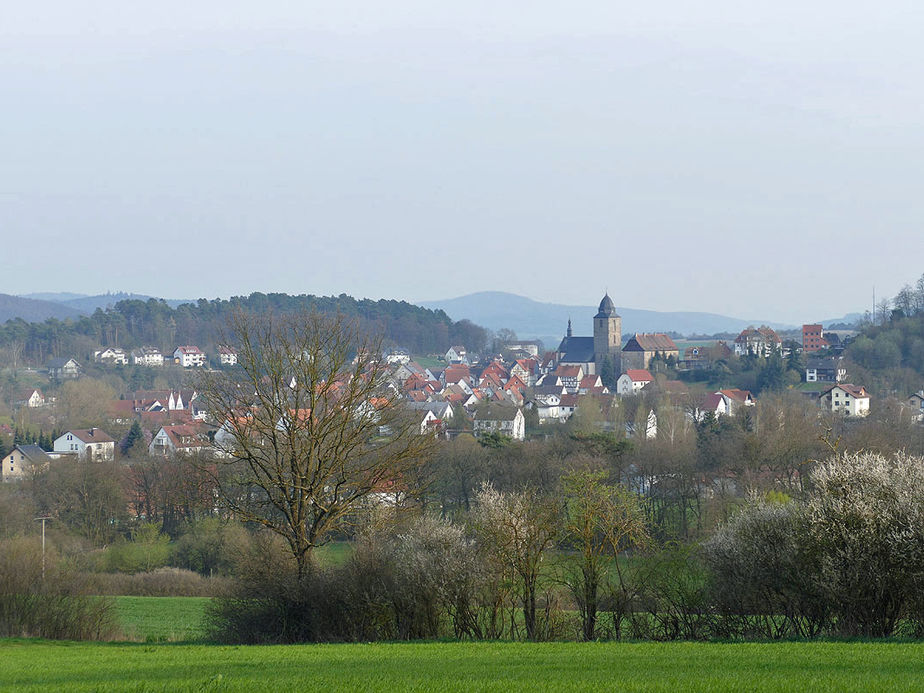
91 432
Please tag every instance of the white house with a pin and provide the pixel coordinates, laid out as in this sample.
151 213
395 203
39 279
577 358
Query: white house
227 356
399 356
111 355
189 356
735 399
31 398
59 369
760 341
90 444
456 354
830 370
846 399
182 439
916 402
495 418
147 356
21 461
633 380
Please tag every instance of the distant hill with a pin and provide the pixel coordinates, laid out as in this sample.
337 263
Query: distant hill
33 310
59 297
88 304
531 319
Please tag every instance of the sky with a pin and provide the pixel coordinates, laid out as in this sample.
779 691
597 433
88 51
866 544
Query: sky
758 159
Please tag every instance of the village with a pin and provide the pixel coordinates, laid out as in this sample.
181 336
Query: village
615 384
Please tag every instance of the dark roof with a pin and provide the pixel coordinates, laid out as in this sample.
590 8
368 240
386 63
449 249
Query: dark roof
496 412
577 350
91 435
606 309
34 453
60 363
650 342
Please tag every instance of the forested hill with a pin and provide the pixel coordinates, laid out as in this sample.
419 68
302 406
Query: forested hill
133 323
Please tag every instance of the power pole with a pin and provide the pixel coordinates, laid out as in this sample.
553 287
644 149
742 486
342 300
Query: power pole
43 519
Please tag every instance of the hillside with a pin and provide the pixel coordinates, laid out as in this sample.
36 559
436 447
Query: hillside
33 310
533 319
132 323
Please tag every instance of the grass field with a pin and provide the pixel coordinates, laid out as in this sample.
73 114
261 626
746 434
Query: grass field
162 619
817 666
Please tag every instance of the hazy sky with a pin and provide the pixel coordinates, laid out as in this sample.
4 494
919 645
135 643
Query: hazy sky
762 160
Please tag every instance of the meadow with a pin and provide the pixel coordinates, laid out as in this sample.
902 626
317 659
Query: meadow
29 665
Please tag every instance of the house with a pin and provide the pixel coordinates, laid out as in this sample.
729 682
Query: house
633 380
829 370
227 356
111 355
713 403
456 354
400 356
571 377
189 356
30 397
813 338
21 461
498 418
641 348
90 444
846 399
592 385
526 370
916 402
147 356
182 439
530 347
62 369
735 399
759 341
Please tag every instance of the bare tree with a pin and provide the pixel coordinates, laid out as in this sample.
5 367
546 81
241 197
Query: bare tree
310 427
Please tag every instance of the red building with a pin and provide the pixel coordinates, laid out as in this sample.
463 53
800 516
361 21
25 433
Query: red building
813 338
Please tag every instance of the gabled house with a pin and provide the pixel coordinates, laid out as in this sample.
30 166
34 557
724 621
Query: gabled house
526 370
111 355
713 403
497 418
759 341
90 444
63 369
147 356
846 399
227 356
735 399
456 354
570 376
829 370
189 356
22 461
182 439
31 398
632 381
642 347
916 402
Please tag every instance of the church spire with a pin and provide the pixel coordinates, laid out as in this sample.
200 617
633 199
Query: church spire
569 327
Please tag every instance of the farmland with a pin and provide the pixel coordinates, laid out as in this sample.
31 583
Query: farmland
485 666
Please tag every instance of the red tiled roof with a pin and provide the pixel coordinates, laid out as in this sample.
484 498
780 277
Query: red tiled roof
639 375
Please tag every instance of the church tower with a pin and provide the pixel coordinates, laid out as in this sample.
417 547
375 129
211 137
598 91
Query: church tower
607 335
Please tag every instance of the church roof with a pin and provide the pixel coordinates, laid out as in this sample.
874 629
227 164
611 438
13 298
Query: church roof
607 309
577 350
650 342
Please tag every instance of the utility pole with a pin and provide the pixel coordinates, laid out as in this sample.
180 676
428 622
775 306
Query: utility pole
43 519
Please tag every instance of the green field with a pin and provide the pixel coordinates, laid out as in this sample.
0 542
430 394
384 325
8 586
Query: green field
161 619
817 666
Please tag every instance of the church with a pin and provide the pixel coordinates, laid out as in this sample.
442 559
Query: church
591 352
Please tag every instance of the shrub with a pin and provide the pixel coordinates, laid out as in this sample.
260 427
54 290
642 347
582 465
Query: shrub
162 582
57 606
148 550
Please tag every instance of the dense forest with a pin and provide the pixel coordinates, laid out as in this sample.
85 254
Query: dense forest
133 323
888 355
